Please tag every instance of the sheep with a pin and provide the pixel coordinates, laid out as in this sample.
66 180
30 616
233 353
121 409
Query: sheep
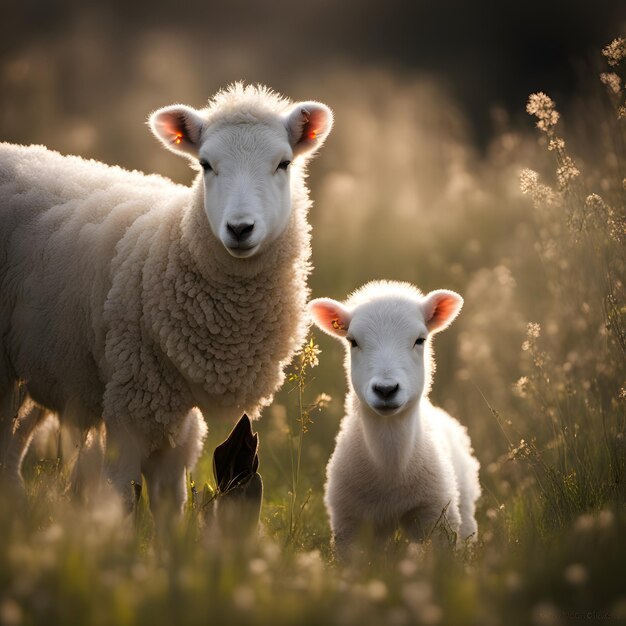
399 462
130 299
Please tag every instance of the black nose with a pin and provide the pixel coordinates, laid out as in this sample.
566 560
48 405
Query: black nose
240 231
386 392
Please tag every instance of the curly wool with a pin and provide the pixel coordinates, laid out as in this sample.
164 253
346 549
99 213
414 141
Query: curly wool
118 300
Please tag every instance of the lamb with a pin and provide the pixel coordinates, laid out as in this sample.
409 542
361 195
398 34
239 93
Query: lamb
130 299
399 461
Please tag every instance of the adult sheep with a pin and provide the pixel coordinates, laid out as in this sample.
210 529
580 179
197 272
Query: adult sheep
128 298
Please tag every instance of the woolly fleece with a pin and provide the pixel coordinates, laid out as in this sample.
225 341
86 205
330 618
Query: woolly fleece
402 471
119 301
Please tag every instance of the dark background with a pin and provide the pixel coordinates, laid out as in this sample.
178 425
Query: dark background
84 55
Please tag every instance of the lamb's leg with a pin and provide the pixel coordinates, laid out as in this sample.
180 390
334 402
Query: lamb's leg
437 522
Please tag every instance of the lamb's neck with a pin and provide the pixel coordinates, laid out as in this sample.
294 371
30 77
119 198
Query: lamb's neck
390 441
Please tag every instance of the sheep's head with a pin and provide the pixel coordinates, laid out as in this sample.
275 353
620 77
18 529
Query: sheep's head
386 328
246 149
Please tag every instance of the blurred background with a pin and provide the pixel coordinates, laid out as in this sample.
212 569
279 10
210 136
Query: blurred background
419 181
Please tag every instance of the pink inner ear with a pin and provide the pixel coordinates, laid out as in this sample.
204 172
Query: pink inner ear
330 317
177 129
172 125
444 309
311 126
314 123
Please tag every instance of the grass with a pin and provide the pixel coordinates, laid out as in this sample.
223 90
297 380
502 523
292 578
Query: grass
535 366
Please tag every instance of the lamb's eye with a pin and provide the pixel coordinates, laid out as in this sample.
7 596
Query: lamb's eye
353 342
283 165
205 165
419 341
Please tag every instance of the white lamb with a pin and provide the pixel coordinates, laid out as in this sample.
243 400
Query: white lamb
399 462
133 299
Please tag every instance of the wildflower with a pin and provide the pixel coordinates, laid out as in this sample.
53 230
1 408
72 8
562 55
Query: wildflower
322 401
612 81
310 354
542 107
594 201
521 451
416 594
533 330
521 386
567 172
376 590
492 514
557 144
584 523
10 613
576 574
244 598
528 180
605 518
615 51
541 194
407 567
257 566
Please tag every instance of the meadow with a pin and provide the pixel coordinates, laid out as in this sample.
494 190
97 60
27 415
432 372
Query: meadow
532 232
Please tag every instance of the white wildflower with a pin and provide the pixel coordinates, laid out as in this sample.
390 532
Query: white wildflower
542 107
615 51
612 81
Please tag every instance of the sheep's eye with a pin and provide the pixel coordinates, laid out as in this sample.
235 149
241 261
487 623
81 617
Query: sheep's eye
419 341
353 342
283 165
205 165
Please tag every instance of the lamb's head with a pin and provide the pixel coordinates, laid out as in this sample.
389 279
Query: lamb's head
386 327
247 142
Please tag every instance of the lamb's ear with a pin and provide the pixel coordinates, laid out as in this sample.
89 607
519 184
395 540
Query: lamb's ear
440 307
308 125
179 128
331 316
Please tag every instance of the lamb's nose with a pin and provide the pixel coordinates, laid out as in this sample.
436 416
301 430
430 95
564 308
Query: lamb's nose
240 231
386 391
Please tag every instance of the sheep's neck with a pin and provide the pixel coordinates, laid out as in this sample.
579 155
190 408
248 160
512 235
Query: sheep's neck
209 253
390 441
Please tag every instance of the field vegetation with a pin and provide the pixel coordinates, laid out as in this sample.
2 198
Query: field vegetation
532 232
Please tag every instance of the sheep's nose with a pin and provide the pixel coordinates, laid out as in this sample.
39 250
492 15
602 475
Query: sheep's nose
240 231
386 391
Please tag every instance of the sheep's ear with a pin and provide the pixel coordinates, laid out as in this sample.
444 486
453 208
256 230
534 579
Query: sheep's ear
308 125
179 128
331 316
440 307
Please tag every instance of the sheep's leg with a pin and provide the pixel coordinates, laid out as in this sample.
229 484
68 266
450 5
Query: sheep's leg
89 464
11 398
28 420
165 476
123 462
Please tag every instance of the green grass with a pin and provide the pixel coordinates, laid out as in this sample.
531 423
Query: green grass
535 367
